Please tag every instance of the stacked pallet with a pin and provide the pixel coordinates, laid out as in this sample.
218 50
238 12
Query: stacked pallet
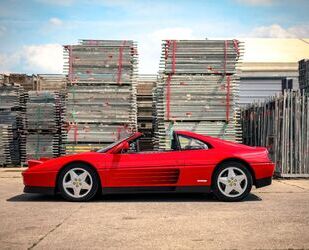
145 87
26 81
101 93
303 79
44 124
56 82
198 89
11 124
282 125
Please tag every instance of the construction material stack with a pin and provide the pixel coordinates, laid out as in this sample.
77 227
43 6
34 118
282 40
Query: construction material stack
303 69
24 80
101 93
198 89
145 87
281 124
11 124
44 124
55 82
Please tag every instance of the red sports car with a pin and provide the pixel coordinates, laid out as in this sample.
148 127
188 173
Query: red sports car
194 163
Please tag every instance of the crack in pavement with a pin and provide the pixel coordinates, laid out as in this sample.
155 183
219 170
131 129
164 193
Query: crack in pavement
53 229
293 185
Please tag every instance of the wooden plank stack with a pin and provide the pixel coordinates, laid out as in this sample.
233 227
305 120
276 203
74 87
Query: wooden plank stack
145 87
101 93
303 79
44 124
198 89
282 125
11 124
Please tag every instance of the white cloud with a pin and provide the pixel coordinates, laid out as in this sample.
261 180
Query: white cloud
256 2
272 31
300 31
150 47
45 58
55 21
276 31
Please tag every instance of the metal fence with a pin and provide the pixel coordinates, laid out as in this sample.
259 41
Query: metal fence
282 125
303 68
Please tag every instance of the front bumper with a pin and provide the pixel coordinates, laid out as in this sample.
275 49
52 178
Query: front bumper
39 190
39 178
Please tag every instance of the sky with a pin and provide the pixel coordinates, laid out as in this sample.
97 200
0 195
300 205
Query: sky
32 32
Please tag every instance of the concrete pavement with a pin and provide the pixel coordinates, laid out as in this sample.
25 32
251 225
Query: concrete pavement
275 217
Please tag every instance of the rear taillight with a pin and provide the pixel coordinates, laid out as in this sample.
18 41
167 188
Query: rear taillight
269 155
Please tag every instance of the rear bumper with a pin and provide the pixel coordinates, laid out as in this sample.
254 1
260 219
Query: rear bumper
263 170
39 190
263 182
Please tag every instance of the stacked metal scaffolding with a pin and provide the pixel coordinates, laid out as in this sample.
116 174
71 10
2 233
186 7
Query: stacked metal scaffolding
44 124
198 89
303 68
56 82
282 125
11 124
145 87
26 81
101 93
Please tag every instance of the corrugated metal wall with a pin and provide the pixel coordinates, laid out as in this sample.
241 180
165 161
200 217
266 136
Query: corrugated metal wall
259 81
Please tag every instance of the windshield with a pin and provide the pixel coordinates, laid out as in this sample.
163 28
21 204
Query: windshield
105 149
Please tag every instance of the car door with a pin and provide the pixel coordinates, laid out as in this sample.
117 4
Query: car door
198 159
143 169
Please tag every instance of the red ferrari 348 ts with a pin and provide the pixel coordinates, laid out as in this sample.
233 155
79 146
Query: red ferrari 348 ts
194 163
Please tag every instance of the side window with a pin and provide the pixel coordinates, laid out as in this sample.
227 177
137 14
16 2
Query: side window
188 143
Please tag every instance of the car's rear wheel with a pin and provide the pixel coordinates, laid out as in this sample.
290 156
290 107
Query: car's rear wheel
78 182
232 181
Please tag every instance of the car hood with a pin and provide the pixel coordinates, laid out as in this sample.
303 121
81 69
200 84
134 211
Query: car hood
87 157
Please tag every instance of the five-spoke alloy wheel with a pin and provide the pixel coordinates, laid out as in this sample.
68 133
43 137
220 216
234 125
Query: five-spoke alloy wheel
232 181
78 182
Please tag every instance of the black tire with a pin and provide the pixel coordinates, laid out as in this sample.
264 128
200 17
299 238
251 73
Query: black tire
94 180
237 168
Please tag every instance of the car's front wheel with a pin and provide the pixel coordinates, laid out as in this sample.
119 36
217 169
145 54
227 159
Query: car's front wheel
78 182
232 182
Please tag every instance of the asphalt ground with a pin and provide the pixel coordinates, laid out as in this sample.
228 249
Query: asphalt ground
274 217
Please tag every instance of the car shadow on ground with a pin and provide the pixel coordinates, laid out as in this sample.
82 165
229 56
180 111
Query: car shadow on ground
130 198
